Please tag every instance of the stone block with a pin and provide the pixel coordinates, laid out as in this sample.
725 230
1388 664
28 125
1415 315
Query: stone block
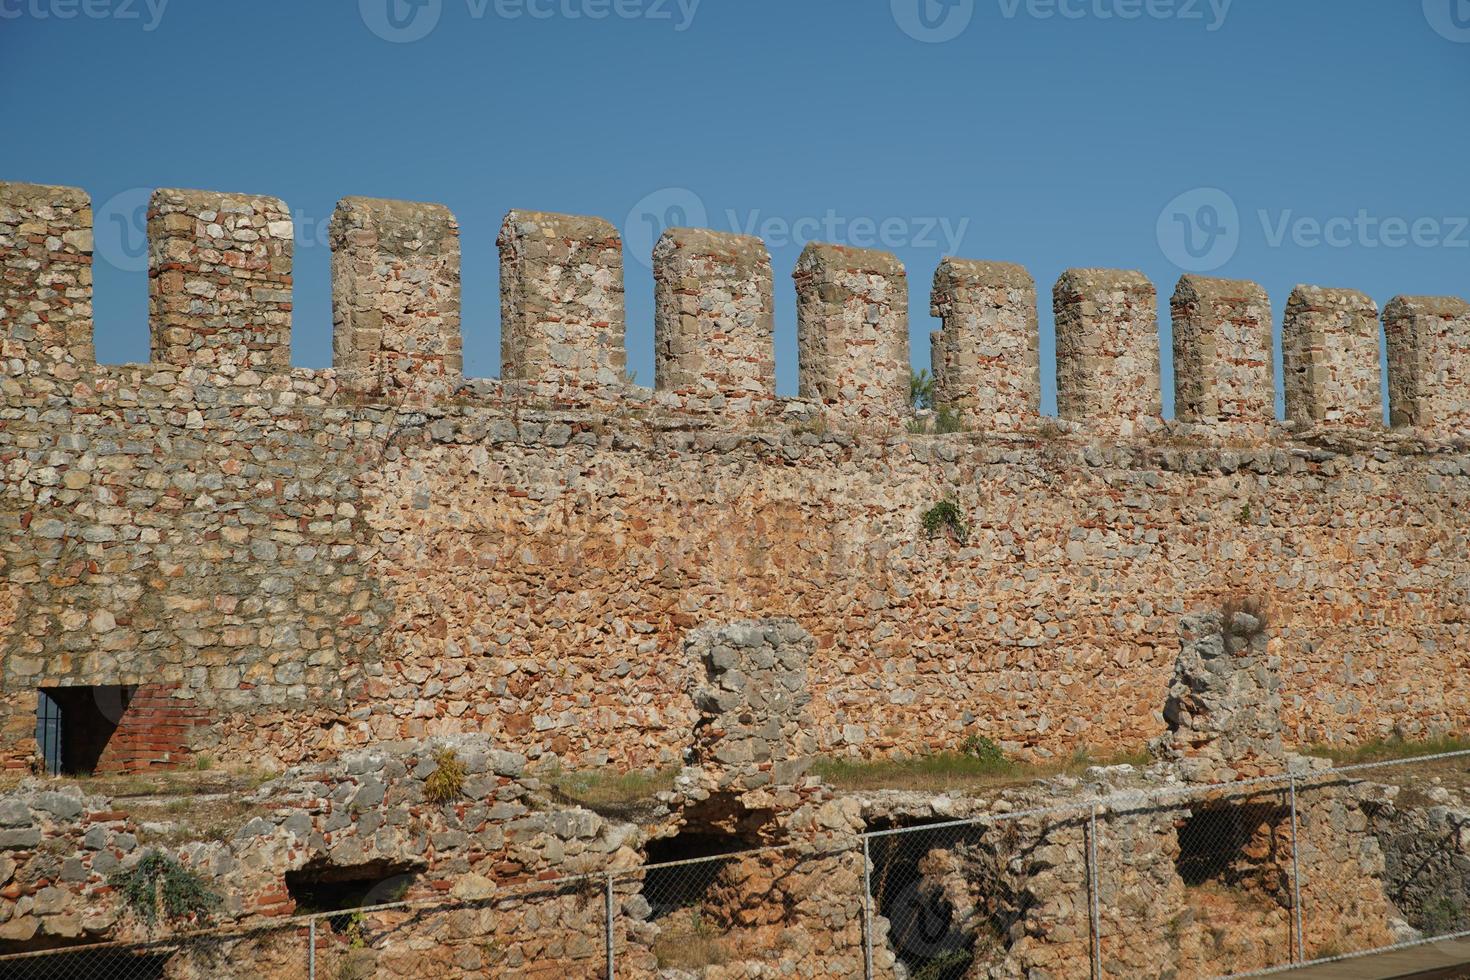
1107 338
396 299
219 282
987 363
561 298
45 281
1222 352
714 318
852 332
1329 355
1428 340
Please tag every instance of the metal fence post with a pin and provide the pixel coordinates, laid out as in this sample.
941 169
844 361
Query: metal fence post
1094 916
609 924
311 949
867 912
1296 878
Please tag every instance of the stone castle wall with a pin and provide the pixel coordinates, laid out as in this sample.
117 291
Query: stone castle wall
322 559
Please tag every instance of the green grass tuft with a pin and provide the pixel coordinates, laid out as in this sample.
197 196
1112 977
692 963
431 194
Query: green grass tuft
599 789
980 765
1385 749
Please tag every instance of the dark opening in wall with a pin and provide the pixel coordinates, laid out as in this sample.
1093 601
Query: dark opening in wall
916 879
75 724
685 886
1239 845
321 887
88 963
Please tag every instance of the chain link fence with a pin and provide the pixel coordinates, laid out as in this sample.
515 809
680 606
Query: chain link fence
1240 879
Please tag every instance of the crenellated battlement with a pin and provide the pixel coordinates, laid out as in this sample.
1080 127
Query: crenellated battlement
986 359
714 319
219 282
396 300
1107 346
1329 354
220 275
291 561
852 332
1222 352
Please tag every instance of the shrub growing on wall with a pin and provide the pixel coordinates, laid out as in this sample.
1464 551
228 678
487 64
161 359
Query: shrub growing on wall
160 887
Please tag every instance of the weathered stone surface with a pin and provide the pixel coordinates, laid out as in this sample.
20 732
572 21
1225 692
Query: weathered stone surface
1428 341
219 283
986 361
294 570
45 281
1107 338
753 728
562 314
852 333
1224 707
1222 352
714 319
396 299
1329 354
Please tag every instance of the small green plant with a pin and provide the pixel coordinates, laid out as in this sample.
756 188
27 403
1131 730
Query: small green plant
160 887
946 966
946 516
916 426
985 751
204 763
446 783
1441 915
921 388
947 420
1245 516
355 930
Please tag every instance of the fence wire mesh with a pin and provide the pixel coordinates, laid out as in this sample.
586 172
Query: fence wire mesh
1235 880
1202 883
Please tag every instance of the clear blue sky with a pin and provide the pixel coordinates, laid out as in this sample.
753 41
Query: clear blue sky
1053 133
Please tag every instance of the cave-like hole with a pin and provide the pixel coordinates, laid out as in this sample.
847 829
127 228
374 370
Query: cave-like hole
916 878
697 895
321 887
678 885
87 963
1241 846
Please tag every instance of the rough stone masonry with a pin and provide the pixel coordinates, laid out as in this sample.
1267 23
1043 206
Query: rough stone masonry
304 561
